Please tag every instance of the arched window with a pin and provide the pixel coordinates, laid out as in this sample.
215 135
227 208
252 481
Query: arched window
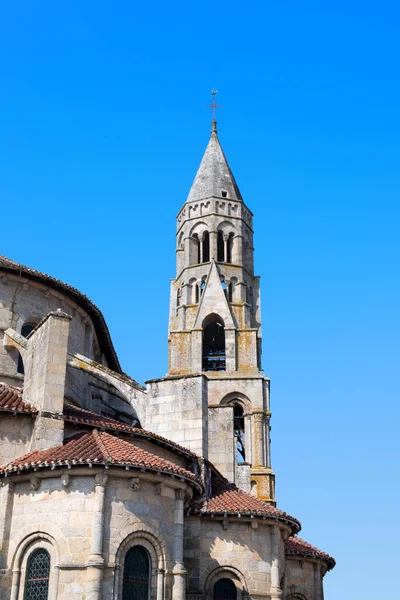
229 248
224 589
136 582
214 358
202 286
206 246
26 330
238 427
37 575
220 247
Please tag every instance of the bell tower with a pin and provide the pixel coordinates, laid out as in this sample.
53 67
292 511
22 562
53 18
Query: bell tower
215 398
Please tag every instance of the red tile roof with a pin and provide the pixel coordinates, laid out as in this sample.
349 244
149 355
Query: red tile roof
98 448
295 546
11 400
226 498
82 416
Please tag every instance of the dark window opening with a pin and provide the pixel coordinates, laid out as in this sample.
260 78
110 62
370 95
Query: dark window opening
136 582
224 589
230 292
26 330
214 358
238 426
37 575
224 194
197 252
229 248
206 246
203 285
220 247
197 293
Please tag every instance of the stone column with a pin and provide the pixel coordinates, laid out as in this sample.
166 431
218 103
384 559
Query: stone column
179 571
160 584
201 240
268 440
96 561
226 237
258 439
317 581
213 245
276 592
6 504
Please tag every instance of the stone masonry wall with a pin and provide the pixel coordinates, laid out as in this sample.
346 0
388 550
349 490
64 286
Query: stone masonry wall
15 436
177 410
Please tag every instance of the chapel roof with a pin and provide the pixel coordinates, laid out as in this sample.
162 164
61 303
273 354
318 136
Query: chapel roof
11 400
75 414
97 448
95 314
214 175
295 546
225 498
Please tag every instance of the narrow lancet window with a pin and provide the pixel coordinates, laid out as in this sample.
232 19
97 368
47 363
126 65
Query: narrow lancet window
206 246
26 330
238 427
220 247
214 357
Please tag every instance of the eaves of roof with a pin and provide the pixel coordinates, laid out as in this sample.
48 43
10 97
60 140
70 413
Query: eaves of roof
95 314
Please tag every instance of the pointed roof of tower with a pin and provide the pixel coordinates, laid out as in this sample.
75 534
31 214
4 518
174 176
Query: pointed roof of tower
214 175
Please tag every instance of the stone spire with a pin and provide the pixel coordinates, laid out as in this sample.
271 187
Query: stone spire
214 177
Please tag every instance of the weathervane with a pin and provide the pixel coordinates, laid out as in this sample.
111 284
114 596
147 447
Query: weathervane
214 105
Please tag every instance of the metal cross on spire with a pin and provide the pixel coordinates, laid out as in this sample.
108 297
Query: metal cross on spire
214 107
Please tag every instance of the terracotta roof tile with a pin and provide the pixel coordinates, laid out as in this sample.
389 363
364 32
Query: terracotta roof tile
296 546
76 414
97 448
11 400
226 498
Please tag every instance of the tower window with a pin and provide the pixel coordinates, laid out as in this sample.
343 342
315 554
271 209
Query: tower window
37 575
214 357
220 247
206 246
238 427
224 194
136 583
229 248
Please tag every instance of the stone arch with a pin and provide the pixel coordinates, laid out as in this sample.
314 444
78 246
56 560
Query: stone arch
296 596
239 398
227 227
145 532
41 531
198 228
156 549
211 576
29 544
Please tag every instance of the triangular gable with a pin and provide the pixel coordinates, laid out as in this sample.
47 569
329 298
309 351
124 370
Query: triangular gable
213 300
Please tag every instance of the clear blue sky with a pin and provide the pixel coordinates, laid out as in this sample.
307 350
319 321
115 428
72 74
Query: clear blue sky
103 124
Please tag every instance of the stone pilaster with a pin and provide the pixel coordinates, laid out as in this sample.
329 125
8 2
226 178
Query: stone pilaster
179 571
6 504
276 592
96 560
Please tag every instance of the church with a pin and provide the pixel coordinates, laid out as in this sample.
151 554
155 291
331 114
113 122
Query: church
114 491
